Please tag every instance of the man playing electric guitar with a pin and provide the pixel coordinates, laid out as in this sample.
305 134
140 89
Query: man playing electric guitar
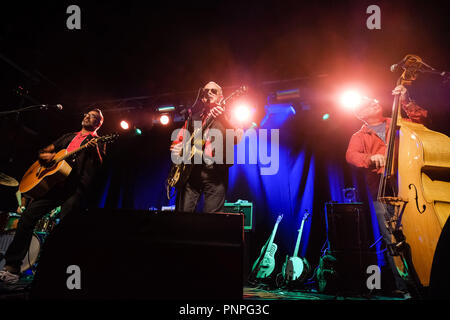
71 195
211 179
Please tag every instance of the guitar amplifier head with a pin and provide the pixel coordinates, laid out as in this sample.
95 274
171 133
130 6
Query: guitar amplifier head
244 207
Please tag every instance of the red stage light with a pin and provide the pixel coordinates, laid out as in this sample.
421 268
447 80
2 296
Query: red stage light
124 125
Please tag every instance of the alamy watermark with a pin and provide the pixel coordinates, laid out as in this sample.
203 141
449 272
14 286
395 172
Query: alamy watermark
217 152
374 20
74 20
374 280
74 279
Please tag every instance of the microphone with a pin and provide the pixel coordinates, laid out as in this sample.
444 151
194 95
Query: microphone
394 67
46 106
410 61
399 65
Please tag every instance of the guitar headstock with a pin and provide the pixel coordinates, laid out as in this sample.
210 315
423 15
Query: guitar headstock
242 90
236 94
108 138
306 215
279 218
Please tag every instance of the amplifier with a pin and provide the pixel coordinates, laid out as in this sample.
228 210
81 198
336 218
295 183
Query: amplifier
346 225
244 207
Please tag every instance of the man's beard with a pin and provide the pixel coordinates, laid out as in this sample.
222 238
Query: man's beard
88 127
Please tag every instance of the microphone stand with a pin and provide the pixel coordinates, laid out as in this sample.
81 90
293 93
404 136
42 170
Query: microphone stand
29 108
443 74
13 145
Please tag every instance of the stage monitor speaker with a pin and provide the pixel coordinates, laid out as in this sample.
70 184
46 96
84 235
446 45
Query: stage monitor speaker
347 227
123 254
244 207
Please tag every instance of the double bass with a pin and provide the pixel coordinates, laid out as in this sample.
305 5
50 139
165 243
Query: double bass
416 181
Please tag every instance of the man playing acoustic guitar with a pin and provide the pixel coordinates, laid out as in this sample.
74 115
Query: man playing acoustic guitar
71 195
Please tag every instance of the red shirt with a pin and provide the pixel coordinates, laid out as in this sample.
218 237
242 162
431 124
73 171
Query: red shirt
365 143
76 142
207 148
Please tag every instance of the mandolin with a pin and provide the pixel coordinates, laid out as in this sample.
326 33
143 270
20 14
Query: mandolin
39 179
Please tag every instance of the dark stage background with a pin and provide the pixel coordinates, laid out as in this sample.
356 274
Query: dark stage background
131 57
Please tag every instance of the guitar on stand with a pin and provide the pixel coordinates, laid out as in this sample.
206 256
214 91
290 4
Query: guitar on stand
295 269
265 264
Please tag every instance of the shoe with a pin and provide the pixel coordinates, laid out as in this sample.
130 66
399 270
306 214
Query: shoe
8 277
402 294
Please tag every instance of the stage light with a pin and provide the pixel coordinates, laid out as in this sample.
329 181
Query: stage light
351 99
326 116
166 108
124 125
164 119
242 112
277 114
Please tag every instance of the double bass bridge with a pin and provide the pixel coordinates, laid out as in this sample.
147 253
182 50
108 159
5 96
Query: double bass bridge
393 221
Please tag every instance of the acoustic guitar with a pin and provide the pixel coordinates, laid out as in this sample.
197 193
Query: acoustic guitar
39 179
265 264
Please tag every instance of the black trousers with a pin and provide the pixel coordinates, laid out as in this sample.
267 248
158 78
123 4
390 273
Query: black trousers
212 181
70 200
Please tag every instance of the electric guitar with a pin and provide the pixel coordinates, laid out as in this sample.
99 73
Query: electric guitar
264 265
179 173
295 268
39 179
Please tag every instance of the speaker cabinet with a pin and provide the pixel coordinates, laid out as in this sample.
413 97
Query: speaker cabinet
142 255
348 242
347 227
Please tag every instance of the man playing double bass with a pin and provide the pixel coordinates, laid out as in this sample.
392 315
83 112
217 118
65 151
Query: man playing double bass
71 195
367 150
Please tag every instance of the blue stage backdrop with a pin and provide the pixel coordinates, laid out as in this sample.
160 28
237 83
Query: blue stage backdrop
311 171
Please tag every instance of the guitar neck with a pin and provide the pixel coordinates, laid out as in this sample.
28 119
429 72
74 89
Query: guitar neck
210 119
272 236
71 153
299 237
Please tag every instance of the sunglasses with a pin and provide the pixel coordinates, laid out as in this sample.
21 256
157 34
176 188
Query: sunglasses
214 91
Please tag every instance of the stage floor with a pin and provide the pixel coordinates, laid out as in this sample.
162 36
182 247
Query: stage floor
251 293
20 291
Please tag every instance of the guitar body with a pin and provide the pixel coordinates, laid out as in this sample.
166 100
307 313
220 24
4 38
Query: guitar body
268 263
38 180
179 175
